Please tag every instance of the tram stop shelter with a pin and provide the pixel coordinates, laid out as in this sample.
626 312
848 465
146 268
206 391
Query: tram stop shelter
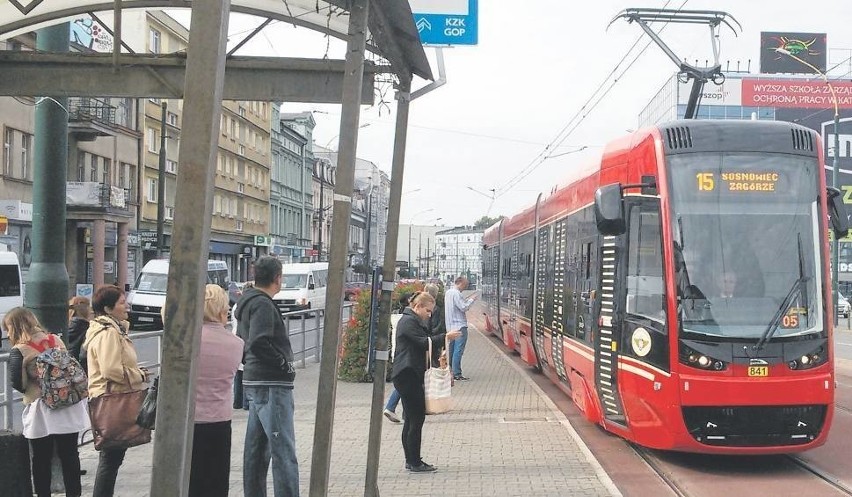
205 75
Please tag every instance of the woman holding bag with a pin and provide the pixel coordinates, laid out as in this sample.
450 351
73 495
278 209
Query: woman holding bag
409 367
113 368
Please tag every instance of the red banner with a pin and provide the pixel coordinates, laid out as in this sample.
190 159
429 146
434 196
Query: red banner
795 94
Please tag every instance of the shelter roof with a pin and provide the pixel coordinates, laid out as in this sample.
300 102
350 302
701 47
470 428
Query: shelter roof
392 33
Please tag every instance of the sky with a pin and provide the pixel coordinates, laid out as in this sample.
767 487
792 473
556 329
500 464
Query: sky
537 64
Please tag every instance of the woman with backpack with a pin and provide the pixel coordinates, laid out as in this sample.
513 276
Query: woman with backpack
113 367
44 427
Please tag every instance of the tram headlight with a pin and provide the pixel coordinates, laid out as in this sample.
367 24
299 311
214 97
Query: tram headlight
808 361
698 360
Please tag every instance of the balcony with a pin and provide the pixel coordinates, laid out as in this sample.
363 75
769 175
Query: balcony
97 196
89 118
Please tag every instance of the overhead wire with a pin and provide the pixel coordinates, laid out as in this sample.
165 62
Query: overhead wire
581 113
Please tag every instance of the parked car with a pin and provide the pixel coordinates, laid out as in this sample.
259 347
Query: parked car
351 289
843 306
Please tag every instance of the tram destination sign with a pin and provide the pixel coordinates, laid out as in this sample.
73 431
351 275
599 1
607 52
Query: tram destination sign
738 181
447 22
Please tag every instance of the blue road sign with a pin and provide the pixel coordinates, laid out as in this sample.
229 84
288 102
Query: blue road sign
446 22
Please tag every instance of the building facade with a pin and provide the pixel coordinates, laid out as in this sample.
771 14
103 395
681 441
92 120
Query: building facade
291 199
459 253
240 222
323 180
417 248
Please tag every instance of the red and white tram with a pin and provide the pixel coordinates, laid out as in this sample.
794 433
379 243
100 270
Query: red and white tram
679 289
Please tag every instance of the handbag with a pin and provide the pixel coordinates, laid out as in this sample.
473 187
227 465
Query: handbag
113 418
148 412
437 383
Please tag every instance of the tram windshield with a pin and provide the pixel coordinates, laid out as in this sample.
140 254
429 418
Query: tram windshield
746 238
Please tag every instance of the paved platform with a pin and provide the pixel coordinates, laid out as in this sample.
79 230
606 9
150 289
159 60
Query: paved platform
504 438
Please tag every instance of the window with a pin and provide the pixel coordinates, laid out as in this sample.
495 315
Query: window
645 291
171 166
172 119
154 101
170 213
151 138
217 204
93 172
106 179
242 112
122 174
233 207
81 166
7 151
233 128
151 193
242 150
239 225
154 41
26 143
241 188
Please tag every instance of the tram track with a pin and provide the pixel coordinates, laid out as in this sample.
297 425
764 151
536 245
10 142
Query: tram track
657 467
831 480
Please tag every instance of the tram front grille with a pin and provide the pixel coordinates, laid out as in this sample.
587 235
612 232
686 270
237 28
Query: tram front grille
755 426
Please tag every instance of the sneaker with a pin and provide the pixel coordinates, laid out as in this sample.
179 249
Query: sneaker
459 377
422 468
392 417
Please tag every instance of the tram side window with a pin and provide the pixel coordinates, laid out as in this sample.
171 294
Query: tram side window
645 290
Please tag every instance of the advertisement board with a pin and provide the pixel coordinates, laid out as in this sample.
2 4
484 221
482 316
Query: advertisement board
776 49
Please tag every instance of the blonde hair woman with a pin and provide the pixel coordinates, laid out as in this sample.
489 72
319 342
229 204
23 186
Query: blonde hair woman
409 366
45 428
220 355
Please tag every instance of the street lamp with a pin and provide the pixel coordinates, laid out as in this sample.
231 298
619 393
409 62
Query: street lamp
410 221
328 143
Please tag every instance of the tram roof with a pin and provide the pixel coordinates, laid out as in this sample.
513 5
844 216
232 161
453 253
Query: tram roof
392 33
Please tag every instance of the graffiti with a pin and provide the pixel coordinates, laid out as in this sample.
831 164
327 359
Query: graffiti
86 32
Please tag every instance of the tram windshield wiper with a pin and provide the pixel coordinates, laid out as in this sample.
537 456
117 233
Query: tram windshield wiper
799 289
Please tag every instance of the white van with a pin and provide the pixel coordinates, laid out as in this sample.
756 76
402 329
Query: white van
149 293
10 284
302 286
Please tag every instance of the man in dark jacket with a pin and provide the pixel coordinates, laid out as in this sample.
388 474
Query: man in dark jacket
268 383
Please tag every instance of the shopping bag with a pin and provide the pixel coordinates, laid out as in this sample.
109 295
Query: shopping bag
148 412
113 418
437 383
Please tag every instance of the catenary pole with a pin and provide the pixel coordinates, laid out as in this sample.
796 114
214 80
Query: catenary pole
47 280
350 115
205 75
382 353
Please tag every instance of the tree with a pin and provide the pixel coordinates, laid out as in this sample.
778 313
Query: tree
485 222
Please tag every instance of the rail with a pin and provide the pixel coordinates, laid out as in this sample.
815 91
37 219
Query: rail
305 329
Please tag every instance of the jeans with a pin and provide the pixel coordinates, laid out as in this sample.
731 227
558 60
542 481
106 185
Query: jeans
393 400
66 448
211 460
409 383
108 463
270 434
454 355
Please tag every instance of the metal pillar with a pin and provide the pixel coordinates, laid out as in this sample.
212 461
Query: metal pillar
47 282
190 238
371 488
350 114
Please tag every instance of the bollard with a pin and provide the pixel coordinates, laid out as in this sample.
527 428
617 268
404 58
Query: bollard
15 464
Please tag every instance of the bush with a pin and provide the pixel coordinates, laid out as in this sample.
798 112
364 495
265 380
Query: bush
356 337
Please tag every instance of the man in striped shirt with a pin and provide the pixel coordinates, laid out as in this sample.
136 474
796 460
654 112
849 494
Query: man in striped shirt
455 307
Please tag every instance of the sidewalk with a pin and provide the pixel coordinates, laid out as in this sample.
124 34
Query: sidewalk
503 438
